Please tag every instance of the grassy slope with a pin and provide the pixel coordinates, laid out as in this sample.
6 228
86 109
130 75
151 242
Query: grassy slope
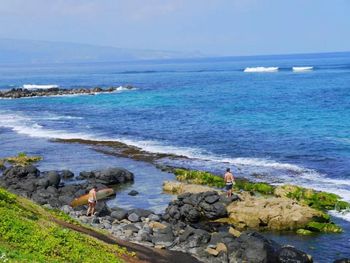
28 233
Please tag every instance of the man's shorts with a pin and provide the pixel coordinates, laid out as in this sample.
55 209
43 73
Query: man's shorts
228 186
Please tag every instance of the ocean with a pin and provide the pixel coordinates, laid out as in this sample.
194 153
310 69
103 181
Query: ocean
256 115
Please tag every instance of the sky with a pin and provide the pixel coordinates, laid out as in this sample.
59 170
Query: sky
212 27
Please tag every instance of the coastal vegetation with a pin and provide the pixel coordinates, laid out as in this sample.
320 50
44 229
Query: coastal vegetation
29 233
199 177
22 159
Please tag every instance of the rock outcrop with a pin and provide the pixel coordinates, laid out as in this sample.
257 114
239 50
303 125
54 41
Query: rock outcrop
195 207
271 213
17 93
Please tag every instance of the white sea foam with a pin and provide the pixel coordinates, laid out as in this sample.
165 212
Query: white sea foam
121 88
301 69
345 215
34 86
261 69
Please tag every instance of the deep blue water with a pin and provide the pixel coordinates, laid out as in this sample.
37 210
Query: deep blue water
288 127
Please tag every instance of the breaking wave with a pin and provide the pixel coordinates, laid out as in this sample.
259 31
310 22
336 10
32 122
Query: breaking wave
301 69
261 69
34 86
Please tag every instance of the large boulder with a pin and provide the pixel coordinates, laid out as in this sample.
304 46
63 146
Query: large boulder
271 213
66 174
19 172
289 254
54 178
119 213
163 237
195 207
109 176
252 247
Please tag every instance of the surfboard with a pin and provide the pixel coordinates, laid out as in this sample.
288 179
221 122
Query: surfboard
100 194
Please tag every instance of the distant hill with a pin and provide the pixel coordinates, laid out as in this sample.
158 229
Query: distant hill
32 51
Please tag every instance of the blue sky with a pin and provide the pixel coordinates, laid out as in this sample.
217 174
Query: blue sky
213 27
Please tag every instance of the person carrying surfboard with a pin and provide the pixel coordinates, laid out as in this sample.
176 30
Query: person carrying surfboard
229 181
92 201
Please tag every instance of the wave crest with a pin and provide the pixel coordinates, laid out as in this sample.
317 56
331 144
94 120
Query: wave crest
261 69
34 86
301 69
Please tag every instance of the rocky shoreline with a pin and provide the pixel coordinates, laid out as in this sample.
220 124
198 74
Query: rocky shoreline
17 93
190 224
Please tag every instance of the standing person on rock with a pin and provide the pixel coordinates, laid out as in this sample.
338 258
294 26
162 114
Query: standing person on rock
92 201
229 181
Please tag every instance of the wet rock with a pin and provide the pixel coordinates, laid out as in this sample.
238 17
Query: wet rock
290 254
133 193
163 237
140 212
109 176
102 209
254 248
119 213
195 207
131 227
95 220
212 199
153 217
85 175
66 174
133 217
21 172
54 178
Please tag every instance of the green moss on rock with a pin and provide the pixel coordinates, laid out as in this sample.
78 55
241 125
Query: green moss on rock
262 188
323 227
199 177
318 200
304 232
23 159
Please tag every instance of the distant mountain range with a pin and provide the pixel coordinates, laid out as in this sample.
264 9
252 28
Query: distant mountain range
32 51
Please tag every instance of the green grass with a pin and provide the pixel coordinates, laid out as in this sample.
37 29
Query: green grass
28 234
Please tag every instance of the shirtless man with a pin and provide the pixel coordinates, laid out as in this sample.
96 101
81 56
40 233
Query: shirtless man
229 180
92 201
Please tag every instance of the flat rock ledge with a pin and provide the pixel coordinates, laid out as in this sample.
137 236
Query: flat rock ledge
17 93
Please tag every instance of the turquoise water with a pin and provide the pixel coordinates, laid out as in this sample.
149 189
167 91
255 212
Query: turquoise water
280 127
